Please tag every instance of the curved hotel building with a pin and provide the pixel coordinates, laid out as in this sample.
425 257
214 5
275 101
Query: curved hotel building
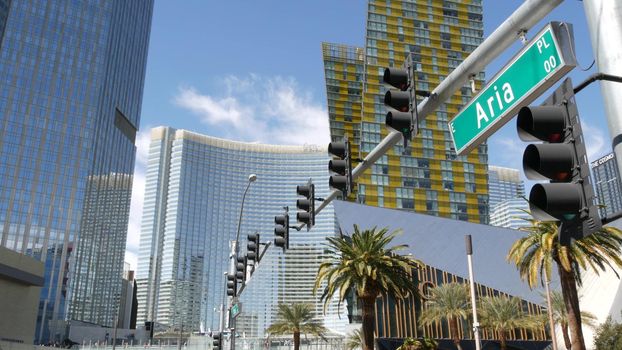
193 193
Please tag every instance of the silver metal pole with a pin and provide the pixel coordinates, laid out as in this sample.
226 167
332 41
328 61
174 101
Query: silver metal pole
549 306
235 249
469 251
604 21
221 323
230 325
525 17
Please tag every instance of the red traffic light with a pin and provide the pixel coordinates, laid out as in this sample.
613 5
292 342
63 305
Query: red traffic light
542 123
549 162
396 77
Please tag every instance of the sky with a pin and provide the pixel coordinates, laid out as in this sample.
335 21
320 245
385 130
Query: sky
252 71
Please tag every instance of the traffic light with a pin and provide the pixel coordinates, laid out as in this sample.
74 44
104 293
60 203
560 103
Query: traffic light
306 207
281 231
252 247
217 340
342 166
402 115
240 269
231 285
561 159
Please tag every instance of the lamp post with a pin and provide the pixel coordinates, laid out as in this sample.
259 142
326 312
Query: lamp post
235 249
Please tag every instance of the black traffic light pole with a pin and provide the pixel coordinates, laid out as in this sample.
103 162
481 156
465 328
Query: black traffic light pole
595 77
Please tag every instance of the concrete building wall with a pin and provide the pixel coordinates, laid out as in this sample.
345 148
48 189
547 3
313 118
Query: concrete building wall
21 279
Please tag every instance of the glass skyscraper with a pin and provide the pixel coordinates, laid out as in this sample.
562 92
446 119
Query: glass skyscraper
511 213
72 76
607 184
193 192
504 184
427 176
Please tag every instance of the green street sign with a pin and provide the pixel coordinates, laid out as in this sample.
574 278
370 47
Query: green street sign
539 65
236 309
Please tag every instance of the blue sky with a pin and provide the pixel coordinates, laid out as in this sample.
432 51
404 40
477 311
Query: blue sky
251 70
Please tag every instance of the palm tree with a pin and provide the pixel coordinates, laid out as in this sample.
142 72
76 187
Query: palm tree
296 319
449 301
354 340
560 316
501 315
365 263
535 253
411 344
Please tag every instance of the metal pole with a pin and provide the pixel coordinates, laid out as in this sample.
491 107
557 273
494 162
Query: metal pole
221 323
469 251
525 17
235 249
549 306
604 21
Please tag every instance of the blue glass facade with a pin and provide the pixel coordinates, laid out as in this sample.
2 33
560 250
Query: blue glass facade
193 192
72 75
4 14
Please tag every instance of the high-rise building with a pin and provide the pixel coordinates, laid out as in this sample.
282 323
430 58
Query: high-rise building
427 176
128 305
72 77
511 213
193 195
504 184
607 184
4 14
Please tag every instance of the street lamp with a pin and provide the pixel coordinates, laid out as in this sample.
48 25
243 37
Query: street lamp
251 178
235 249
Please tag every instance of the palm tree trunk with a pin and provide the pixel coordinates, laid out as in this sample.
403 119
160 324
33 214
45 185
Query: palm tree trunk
369 311
453 332
566 336
502 340
296 340
571 300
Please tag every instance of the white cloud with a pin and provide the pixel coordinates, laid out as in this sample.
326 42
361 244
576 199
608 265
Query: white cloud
258 109
138 195
509 151
594 141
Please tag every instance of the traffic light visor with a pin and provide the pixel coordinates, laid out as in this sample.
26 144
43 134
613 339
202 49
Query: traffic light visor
303 190
548 162
280 220
338 149
541 123
400 121
303 204
555 201
338 166
337 181
399 100
396 77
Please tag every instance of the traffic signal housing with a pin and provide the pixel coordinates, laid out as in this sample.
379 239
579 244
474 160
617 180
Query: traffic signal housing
217 341
281 231
561 159
306 207
342 166
252 248
231 285
240 269
402 103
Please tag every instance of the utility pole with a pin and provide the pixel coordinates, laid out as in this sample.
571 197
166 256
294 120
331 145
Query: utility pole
604 21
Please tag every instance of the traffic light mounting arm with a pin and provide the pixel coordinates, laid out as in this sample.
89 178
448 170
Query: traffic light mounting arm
526 16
